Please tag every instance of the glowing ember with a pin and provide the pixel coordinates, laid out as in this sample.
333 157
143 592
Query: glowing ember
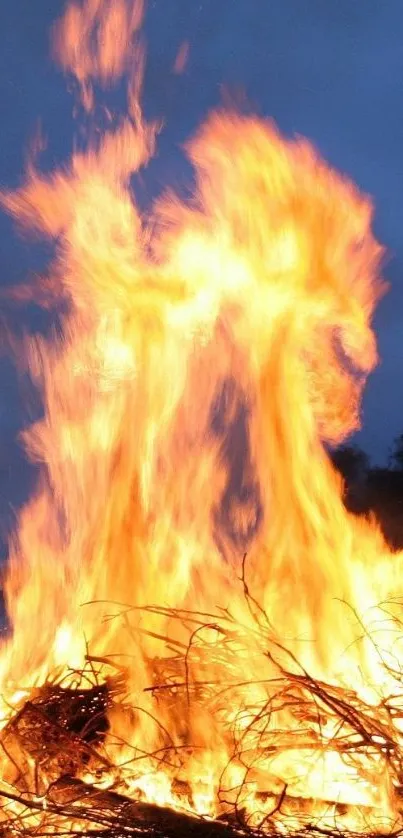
268 685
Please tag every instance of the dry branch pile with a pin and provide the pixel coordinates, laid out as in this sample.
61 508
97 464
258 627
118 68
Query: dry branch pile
59 778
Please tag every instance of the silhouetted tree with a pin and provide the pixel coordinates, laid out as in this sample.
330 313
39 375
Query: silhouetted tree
396 454
352 463
374 489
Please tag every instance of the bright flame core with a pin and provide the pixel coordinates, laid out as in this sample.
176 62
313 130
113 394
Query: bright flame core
245 315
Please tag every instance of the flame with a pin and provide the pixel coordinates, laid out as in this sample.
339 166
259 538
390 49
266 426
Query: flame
245 315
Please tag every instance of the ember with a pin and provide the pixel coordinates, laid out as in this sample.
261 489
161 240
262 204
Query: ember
202 642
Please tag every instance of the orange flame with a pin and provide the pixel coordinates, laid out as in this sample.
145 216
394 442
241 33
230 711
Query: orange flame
248 312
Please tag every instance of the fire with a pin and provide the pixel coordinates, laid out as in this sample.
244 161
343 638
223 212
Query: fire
231 591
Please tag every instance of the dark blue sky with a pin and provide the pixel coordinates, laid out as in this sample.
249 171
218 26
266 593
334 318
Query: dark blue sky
329 69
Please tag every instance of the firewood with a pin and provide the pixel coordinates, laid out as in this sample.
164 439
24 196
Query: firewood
83 801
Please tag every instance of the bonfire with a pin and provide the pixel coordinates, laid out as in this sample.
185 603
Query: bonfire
202 640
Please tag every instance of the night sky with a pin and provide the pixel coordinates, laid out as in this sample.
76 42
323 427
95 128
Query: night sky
331 70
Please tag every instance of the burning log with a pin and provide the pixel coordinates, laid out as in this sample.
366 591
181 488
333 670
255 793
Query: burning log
90 803
96 812
71 806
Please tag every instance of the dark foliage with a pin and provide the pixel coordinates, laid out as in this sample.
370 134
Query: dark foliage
374 490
